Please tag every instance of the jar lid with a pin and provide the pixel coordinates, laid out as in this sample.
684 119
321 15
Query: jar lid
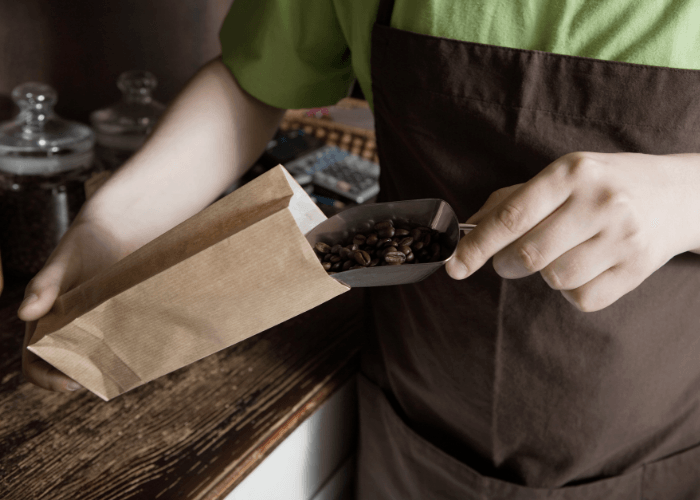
127 123
37 141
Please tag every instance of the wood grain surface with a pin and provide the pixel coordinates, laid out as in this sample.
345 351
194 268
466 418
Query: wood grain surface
193 434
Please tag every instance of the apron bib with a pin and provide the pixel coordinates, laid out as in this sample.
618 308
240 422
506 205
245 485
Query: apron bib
489 388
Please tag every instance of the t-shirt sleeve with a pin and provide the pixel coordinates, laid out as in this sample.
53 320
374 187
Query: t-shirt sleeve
287 53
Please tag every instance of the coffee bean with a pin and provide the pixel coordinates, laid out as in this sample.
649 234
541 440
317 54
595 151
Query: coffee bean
322 247
388 249
395 258
387 232
388 244
345 253
362 258
383 242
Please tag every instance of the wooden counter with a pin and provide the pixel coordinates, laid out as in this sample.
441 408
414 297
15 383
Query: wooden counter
193 434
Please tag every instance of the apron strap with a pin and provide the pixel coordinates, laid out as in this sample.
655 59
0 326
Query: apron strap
386 7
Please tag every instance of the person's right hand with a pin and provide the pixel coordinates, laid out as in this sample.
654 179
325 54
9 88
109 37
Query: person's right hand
85 249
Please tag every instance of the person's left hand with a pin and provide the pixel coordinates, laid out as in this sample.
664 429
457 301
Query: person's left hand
595 225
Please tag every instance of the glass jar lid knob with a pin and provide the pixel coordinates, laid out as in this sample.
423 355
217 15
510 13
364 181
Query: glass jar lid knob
137 85
35 102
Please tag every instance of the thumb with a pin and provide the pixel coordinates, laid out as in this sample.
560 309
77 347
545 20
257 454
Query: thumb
41 292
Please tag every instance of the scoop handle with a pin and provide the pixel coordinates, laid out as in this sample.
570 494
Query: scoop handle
466 227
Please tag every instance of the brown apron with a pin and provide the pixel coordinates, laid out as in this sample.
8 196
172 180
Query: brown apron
488 388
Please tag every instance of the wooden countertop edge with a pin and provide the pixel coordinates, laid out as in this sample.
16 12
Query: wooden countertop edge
228 480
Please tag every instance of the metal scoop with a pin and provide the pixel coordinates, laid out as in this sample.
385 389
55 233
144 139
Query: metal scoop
432 212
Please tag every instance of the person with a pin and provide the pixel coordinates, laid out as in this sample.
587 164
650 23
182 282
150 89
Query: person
569 133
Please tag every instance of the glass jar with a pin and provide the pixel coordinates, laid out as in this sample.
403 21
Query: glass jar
121 129
44 161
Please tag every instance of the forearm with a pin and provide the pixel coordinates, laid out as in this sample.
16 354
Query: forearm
207 139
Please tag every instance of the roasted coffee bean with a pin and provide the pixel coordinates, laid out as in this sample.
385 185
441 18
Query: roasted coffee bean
322 247
327 266
406 242
388 244
389 249
434 250
332 272
386 232
345 254
395 258
383 225
362 258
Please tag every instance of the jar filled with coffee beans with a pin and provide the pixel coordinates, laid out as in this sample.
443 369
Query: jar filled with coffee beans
44 162
122 128
388 243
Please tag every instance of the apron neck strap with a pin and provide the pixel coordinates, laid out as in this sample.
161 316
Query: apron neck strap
386 7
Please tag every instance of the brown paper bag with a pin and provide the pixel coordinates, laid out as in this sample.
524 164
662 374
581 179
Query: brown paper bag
235 269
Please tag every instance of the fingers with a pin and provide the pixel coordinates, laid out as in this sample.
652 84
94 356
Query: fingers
58 275
580 265
514 216
54 279
548 241
493 200
39 372
42 374
604 289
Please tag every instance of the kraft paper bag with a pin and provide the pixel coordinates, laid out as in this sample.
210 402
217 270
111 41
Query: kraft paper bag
237 268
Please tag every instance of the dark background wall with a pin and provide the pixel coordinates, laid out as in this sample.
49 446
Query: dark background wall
80 47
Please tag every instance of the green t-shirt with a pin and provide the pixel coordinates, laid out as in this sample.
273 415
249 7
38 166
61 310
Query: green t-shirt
306 53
